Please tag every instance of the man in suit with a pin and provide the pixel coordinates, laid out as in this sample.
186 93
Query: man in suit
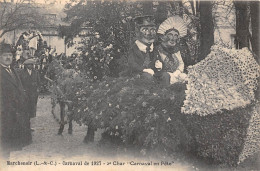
15 124
31 82
141 55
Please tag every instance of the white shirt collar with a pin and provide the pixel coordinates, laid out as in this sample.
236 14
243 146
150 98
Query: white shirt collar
6 66
29 71
178 55
142 47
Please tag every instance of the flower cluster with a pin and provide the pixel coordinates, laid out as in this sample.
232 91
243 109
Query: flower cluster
95 57
225 79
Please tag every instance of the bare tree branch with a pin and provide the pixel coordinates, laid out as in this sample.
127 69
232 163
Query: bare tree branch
19 14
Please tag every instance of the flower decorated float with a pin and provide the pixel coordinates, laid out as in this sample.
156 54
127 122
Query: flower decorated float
211 110
214 113
132 108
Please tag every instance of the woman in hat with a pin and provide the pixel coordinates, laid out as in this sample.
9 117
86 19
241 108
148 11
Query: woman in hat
169 59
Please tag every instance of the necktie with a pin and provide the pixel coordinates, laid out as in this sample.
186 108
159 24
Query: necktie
147 57
148 48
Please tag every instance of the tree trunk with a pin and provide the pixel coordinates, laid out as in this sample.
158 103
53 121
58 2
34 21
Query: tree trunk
242 24
206 29
254 12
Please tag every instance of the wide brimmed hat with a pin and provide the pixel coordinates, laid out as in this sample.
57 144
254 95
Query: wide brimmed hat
29 61
6 48
147 20
174 22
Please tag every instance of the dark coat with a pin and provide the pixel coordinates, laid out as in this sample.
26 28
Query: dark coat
15 122
136 60
31 84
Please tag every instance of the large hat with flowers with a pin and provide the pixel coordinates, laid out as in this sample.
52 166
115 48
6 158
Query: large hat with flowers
174 22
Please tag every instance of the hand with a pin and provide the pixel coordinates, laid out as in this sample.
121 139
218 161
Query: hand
149 71
158 64
177 76
183 77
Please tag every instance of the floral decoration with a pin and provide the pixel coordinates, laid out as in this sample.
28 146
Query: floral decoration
225 79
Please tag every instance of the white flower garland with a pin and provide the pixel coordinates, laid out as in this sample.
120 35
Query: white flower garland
225 79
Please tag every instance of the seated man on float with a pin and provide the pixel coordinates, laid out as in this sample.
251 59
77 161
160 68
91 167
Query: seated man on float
141 52
169 60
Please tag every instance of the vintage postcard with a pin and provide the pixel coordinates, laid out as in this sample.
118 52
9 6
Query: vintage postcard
129 85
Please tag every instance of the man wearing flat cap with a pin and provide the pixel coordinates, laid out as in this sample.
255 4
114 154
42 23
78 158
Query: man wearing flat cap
31 81
15 123
141 53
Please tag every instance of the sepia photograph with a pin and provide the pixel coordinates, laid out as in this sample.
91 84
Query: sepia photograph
129 85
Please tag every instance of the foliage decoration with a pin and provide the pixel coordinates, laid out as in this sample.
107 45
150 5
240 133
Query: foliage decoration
135 111
220 138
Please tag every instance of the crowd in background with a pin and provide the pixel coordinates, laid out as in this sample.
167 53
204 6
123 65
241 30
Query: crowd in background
31 45
23 69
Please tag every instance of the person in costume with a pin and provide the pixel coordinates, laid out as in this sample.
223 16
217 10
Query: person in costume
169 58
141 52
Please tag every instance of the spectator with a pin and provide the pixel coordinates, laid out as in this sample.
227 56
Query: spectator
15 122
31 82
